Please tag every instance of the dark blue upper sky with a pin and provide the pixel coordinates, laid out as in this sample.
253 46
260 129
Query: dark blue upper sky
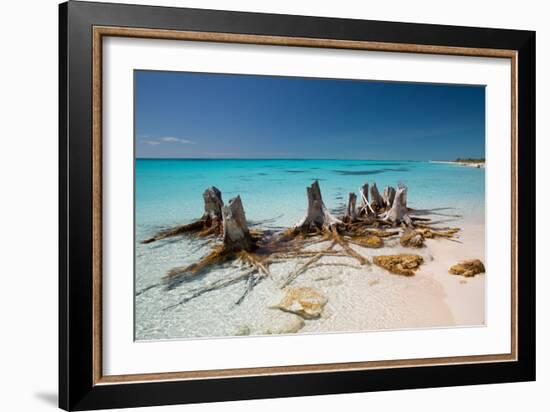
239 116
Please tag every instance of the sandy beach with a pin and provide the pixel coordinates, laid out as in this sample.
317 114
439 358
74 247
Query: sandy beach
432 298
359 299
468 164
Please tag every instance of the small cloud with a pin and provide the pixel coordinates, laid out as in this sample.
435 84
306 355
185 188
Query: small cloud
186 141
172 139
166 139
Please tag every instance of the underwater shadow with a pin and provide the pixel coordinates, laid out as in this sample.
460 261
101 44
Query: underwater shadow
434 212
368 172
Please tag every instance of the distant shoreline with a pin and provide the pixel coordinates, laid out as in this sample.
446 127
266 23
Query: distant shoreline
478 165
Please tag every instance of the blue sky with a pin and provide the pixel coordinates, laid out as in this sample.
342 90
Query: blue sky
195 115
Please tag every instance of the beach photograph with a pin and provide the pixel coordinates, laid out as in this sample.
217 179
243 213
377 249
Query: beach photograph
271 205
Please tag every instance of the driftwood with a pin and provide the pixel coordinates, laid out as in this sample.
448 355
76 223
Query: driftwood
208 224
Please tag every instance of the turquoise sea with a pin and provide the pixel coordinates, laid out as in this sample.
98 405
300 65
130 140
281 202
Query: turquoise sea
168 192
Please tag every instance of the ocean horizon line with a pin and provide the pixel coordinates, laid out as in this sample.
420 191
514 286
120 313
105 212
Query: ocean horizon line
281 158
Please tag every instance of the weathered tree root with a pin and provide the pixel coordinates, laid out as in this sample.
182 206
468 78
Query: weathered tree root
336 264
191 227
364 227
381 233
220 284
302 268
349 250
412 238
318 219
216 257
371 242
351 214
236 241
209 224
431 232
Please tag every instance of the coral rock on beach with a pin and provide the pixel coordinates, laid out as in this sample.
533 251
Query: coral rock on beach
304 301
373 242
412 238
468 268
402 264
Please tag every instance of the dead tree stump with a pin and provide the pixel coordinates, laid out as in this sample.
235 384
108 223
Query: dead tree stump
366 208
399 213
351 214
377 202
388 196
213 203
210 222
235 230
237 242
317 216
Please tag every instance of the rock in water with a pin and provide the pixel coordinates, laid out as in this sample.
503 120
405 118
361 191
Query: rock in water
284 323
304 301
402 264
243 330
468 268
412 238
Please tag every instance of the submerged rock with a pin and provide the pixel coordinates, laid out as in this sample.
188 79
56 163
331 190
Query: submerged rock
243 330
468 268
304 301
412 238
284 323
402 264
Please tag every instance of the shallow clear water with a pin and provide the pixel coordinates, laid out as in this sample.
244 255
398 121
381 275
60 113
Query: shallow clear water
169 192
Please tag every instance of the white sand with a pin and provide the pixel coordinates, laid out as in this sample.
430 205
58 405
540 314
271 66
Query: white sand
375 299
369 298
468 164
465 297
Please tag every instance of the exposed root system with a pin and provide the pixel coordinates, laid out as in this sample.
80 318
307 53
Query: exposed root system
366 226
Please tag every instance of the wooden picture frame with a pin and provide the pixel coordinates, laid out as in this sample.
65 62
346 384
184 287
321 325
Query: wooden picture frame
82 385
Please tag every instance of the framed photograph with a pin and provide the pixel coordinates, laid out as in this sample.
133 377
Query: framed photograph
257 205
